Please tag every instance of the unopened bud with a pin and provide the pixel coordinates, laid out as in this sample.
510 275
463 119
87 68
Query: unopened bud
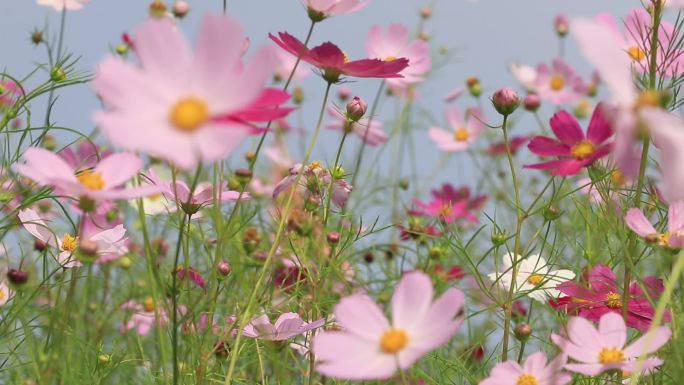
250 155
532 102
36 37
121 49
104 358
426 12
57 74
522 331
551 213
356 108
180 9
157 8
436 252
243 175
343 94
505 100
223 268
333 238
498 238
125 262
17 277
424 35
39 245
472 80
404 184
369 257
561 25
298 95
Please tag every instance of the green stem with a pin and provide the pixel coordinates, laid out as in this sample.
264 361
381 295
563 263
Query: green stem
333 172
374 108
274 246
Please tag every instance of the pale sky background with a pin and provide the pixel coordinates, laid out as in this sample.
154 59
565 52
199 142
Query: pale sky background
483 37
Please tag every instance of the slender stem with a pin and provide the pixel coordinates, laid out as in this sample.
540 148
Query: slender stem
225 6
51 95
374 108
508 308
333 172
276 241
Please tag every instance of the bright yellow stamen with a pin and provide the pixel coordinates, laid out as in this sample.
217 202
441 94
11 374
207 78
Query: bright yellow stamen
446 210
535 279
393 341
189 114
583 149
527 379
461 134
636 53
557 82
148 304
69 243
664 239
613 300
91 180
315 165
648 98
611 356
390 58
3 295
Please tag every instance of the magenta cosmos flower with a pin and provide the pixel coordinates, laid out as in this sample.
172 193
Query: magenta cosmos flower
69 5
559 84
395 44
672 238
103 182
111 243
374 135
603 294
603 349
465 130
288 325
450 204
534 371
326 8
371 347
334 63
315 181
193 106
575 149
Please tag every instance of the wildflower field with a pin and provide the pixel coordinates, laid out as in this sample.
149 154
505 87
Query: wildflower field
206 204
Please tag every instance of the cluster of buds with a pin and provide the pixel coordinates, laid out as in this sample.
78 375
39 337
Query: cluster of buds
316 180
474 86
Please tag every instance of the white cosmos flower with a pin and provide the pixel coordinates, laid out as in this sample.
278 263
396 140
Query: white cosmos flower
534 277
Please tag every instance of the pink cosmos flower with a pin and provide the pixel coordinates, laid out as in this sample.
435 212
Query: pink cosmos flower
575 149
288 325
327 8
69 5
371 347
315 180
195 107
525 75
603 349
8 92
334 63
559 84
604 51
375 136
465 131
602 294
667 131
87 155
672 238
111 243
102 183
450 204
534 370
395 44
191 202
143 317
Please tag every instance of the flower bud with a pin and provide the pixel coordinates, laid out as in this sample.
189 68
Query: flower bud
125 262
532 102
157 8
333 238
223 268
243 175
121 49
343 94
426 12
298 95
104 358
404 184
17 276
356 108
369 257
498 238
250 155
561 25
436 252
472 81
39 245
522 331
57 74
551 213
180 9
424 35
36 37
505 100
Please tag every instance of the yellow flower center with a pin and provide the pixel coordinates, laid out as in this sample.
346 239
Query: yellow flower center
557 82
535 279
390 58
636 53
69 243
648 98
3 295
618 178
461 134
583 149
527 379
148 304
664 239
613 300
91 180
446 210
189 114
611 356
393 341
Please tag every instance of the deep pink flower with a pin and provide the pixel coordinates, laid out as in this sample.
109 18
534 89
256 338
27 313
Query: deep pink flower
375 136
602 294
8 92
102 183
286 326
575 149
465 131
395 44
463 193
334 63
195 106
143 317
603 349
673 237
192 274
371 347
559 84
535 370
